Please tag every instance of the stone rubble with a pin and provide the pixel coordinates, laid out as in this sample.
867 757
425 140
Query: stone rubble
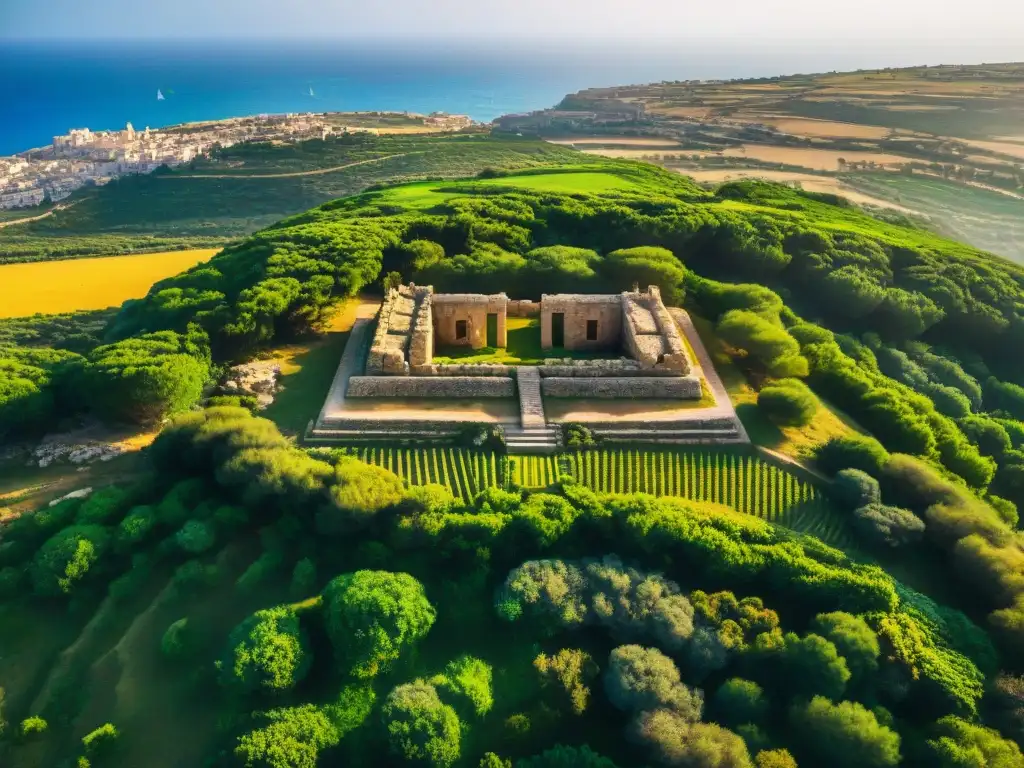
50 452
259 378
81 493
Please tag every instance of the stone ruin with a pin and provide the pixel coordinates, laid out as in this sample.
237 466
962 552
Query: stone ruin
634 327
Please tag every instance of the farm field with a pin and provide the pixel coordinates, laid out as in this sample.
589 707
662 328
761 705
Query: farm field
806 181
55 287
732 478
813 159
827 129
984 218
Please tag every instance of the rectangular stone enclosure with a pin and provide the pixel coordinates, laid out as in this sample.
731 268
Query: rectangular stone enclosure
634 329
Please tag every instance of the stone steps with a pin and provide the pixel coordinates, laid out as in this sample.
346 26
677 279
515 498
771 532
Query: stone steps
533 440
531 404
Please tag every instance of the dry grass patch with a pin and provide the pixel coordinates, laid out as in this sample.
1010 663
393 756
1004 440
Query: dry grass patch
53 287
815 159
825 128
1001 147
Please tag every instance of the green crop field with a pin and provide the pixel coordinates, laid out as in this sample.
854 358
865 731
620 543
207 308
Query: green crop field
731 478
464 472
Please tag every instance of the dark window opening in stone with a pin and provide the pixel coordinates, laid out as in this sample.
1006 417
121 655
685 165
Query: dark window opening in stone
591 330
461 329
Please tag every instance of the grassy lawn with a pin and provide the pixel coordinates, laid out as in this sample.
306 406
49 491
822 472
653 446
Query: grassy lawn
523 348
428 194
587 181
307 371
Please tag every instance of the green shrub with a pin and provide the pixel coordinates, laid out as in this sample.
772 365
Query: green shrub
855 488
788 403
101 740
421 728
33 726
372 617
851 452
268 652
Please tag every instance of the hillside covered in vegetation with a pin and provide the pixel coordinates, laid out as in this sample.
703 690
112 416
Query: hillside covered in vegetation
300 608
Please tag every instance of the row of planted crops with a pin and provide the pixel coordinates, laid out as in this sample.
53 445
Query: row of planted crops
733 478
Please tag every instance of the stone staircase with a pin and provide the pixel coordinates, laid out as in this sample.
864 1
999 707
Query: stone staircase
533 435
531 405
519 440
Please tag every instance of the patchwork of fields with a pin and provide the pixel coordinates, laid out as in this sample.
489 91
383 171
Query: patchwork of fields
732 478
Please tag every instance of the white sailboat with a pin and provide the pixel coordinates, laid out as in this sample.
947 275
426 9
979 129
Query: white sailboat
159 95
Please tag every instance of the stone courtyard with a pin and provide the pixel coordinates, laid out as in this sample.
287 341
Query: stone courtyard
434 360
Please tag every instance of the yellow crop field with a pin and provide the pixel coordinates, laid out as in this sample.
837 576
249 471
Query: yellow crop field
52 287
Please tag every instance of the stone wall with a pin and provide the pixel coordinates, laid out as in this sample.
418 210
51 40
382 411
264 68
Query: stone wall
676 356
421 343
468 387
394 330
523 308
577 310
451 308
650 334
463 369
638 387
621 367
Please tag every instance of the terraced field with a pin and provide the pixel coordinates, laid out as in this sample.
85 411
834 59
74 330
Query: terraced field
729 477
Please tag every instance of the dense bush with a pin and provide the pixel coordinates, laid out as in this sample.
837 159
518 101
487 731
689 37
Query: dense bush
372 617
788 402
268 652
570 671
851 452
675 740
68 557
421 728
739 701
855 488
640 679
891 526
845 735
145 378
959 743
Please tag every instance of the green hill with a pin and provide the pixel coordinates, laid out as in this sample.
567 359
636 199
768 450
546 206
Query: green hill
251 603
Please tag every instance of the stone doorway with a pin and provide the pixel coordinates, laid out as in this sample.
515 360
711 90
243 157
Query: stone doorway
558 329
492 330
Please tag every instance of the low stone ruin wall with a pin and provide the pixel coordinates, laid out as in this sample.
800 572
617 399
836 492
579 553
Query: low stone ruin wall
644 388
565 367
469 369
523 308
423 386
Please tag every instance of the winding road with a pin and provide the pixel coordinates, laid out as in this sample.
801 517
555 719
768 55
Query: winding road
290 175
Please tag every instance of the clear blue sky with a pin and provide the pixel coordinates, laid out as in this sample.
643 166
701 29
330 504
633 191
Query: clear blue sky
828 22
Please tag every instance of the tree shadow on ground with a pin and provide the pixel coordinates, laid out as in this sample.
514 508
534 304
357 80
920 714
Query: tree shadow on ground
307 373
759 427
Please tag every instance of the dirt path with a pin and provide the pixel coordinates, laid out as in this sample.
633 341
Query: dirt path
29 219
292 175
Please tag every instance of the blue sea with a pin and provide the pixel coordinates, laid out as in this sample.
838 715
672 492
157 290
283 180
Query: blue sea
48 88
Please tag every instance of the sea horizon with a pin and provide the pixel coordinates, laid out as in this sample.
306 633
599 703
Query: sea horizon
51 87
